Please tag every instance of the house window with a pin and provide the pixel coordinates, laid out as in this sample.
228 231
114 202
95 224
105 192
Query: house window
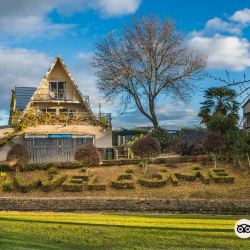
71 113
57 90
64 111
48 110
51 110
84 141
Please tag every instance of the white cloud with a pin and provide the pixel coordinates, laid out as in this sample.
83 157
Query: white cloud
217 24
231 24
116 8
31 27
30 18
20 67
226 52
223 42
108 8
241 16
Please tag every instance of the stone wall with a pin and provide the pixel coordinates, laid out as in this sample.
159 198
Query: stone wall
125 205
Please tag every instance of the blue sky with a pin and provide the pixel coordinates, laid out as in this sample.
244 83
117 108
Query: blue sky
35 31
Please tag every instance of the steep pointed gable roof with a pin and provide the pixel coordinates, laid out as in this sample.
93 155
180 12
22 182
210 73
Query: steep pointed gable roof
58 59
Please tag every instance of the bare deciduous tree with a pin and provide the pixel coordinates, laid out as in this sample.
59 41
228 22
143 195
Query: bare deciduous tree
241 86
149 59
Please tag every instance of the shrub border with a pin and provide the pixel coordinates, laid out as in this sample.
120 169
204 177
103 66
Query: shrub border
105 163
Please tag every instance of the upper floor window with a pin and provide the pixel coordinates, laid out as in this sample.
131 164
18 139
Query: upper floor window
57 90
48 110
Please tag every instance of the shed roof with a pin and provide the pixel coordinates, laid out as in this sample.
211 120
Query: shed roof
23 95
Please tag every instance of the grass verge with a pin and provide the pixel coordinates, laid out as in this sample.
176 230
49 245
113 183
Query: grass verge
107 231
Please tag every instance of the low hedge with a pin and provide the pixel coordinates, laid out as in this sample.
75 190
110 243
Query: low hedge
187 176
106 163
5 167
46 166
125 176
174 179
129 171
123 184
25 186
75 183
69 186
204 177
123 181
49 185
92 185
82 177
73 165
213 173
175 159
196 168
220 171
155 180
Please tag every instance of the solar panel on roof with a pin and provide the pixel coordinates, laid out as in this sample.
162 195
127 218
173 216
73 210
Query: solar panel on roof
23 95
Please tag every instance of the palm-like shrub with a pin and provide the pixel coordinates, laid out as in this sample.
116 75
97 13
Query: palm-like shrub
221 124
88 155
18 156
219 111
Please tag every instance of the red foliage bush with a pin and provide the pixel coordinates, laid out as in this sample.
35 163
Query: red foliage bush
213 142
88 155
18 155
146 147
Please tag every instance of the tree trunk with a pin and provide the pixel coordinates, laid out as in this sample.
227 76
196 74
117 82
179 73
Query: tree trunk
248 160
155 123
145 166
152 112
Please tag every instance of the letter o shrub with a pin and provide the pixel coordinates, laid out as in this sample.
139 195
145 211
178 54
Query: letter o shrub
88 155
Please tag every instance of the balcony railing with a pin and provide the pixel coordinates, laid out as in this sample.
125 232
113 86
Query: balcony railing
73 118
60 98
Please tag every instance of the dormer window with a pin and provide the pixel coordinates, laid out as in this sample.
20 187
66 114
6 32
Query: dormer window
57 90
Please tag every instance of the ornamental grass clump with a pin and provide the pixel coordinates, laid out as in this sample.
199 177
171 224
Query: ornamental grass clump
88 155
7 186
53 171
18 156
145 148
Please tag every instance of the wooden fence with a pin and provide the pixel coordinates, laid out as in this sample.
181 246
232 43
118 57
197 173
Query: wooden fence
54 149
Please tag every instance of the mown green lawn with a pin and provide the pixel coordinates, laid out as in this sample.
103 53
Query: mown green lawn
105 231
